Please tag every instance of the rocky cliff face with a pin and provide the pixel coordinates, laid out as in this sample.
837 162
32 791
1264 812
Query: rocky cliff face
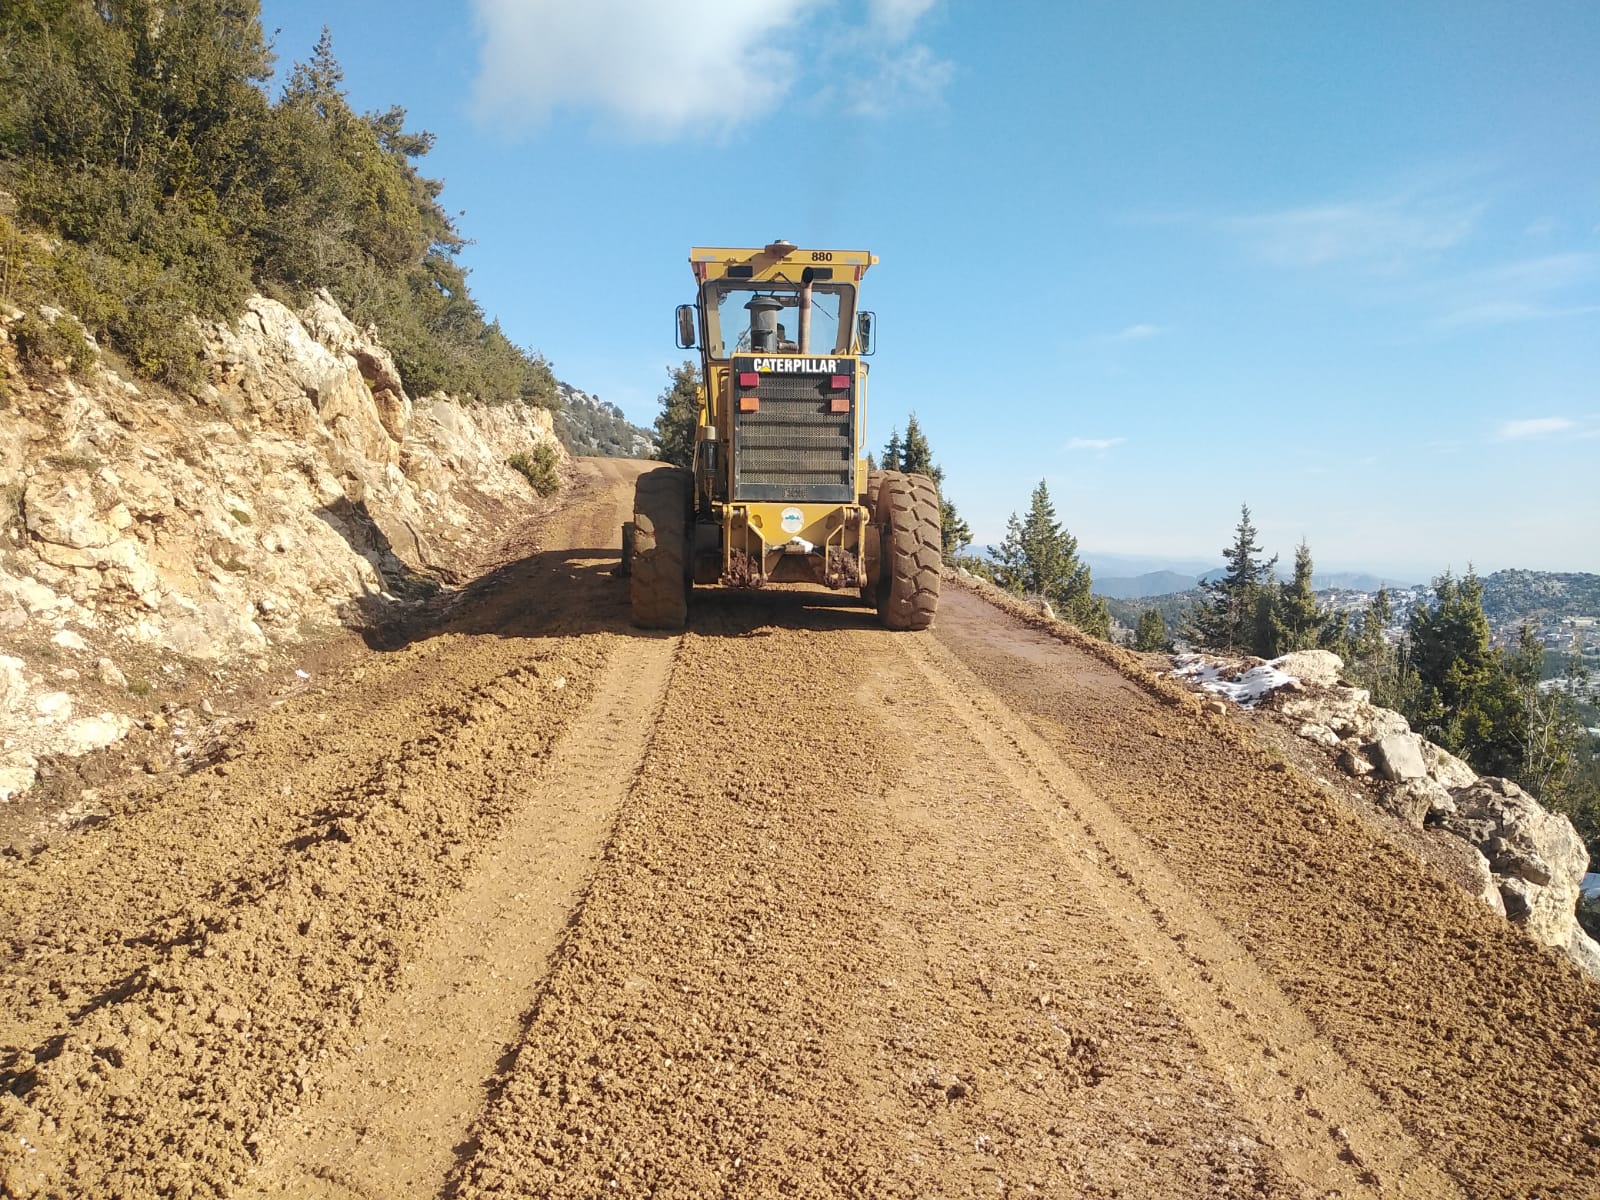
143 533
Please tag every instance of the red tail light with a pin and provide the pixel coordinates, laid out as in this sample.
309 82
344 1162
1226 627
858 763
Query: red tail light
749 379
839 382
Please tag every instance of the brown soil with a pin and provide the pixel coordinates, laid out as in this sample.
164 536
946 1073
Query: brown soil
527 903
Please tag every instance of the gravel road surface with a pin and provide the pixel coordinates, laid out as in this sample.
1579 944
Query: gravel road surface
523 902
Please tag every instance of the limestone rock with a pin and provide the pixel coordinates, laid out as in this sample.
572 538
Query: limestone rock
1537 855
1313 668
13 682
1398 757
1418 800
1320 734
1488 887
18 769
1352 759
300 479
1585 951
1445 768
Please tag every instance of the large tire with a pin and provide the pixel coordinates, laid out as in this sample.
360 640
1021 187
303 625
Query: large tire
660 580
870 553
870 495
909 573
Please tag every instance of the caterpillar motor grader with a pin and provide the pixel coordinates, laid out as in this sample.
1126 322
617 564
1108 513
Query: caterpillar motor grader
779 490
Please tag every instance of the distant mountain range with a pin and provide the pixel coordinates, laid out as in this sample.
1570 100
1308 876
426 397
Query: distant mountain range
1165 583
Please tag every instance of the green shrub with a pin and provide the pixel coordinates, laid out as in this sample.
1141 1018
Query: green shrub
538 468
42 344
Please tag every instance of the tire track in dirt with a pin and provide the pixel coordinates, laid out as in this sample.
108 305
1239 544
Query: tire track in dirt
179 977
831 952
1485 1046
1330 1130
390 1118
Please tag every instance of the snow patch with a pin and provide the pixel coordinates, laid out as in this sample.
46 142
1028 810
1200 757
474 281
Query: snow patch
1246 689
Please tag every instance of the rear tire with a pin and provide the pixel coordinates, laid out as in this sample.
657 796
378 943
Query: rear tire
659 583
871 553
911 559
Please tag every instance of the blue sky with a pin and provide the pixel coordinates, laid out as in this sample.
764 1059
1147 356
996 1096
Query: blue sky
1340 262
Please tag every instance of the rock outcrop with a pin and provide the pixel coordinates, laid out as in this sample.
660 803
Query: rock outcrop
1532 860
301 487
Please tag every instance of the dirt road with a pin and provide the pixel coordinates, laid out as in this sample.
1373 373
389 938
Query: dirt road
526 903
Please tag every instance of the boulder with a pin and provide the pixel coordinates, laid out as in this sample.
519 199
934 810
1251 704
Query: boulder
1313 668
1537 855
1352 760
1320 734
1398 757
1445 768
1418 800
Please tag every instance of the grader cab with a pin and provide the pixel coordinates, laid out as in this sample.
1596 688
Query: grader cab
779 490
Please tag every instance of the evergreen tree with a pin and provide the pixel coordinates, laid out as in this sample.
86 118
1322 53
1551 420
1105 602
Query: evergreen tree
140 139
891 452
1296 621
954 533
1372 661
1038 557
1336 636
1467 696
680 414
916 456
1553 732
1237 613
1151 632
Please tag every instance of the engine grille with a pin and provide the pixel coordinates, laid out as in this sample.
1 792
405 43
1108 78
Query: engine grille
794 448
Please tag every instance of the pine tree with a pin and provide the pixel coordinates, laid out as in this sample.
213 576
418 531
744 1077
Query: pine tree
1467 695
1237 613
1151 632
1552 730
1373 662
916 456
1295 620
680 415
954 533
1038 557
891 452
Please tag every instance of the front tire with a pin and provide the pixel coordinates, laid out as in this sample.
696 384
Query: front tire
659 584
911 559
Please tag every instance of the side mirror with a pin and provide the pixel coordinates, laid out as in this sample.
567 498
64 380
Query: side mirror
686 326
864 333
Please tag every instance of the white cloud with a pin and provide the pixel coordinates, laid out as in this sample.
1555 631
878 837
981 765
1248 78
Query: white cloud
698 67
659 70
1519 291
897 18
1532 428
1384 233
1081 443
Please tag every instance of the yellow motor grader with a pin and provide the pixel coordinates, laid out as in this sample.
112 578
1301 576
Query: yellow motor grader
779 491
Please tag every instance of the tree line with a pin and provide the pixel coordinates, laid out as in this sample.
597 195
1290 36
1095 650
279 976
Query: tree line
151 180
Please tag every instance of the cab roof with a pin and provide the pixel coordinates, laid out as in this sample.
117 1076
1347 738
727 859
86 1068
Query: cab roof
778 258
